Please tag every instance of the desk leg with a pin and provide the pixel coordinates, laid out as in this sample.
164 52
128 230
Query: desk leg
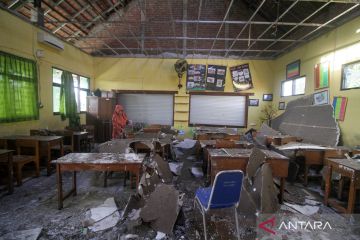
327 185
10 174
352 194
282 187
74 183
137 179
48 163
59 186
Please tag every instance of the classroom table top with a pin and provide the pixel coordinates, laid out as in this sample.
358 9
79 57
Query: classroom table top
100 158
35 137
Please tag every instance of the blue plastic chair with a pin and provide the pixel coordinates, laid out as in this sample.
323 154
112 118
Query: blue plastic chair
224 193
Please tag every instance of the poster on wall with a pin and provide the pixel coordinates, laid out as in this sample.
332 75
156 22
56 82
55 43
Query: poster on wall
241 77
196 77
215 78
322 75
339 105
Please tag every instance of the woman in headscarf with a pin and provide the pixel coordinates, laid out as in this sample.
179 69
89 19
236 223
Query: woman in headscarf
119 121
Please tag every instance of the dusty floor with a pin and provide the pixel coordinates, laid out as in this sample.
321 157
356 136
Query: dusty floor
34 204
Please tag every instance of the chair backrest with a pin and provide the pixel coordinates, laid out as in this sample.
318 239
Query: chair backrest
3 143
151 130
226 189
23 144
232 137
68 137
202 137
221 143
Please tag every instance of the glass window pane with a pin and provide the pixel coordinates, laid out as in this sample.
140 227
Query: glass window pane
56 99
286 88
84 82
76 80
83 95
57 75
76 90
299 86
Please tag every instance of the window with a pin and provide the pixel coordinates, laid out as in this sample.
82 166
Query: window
149 108
81 88
293 87
214 109
18 89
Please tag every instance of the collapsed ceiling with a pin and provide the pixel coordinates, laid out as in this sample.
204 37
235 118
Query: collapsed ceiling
246 29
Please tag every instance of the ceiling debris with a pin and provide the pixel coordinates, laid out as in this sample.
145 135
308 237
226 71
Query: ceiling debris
313 123
245 29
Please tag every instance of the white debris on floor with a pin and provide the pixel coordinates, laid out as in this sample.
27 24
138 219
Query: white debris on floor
105 216
306 210
196 172
30 234
176 167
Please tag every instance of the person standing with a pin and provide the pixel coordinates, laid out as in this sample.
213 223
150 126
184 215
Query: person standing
119 121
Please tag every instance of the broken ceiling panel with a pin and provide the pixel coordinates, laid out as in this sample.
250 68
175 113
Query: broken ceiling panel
313 123
177 28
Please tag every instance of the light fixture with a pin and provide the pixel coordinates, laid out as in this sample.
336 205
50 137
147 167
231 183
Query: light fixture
357 30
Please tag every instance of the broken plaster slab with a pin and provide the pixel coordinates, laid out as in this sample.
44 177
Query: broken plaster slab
257 157
313 123
163 169
162 208
104 216
264 190
31 234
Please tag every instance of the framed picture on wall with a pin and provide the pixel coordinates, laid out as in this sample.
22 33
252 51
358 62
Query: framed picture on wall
281 105
321 97
253 102
293 69
350 75
267 97
322 75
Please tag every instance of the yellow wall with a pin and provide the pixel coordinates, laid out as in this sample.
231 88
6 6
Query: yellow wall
339 46
159 74
20 38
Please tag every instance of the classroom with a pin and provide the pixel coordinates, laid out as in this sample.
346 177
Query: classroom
178 119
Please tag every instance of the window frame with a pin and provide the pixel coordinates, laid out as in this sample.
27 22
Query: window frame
246 95
76 92
293 86
14 76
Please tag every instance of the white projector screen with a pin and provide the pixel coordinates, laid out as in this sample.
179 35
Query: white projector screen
218 110
148 108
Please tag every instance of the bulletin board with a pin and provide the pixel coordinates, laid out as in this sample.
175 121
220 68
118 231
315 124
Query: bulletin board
215 79
196 77
241 77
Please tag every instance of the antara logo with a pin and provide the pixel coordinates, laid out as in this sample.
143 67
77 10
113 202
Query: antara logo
269 225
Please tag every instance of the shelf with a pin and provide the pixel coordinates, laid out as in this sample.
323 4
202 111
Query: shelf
182 103
180 120
182 111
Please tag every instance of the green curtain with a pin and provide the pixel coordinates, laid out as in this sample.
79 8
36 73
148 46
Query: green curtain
68 105
18 89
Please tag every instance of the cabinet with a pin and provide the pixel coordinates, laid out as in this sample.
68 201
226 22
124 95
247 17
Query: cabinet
99 114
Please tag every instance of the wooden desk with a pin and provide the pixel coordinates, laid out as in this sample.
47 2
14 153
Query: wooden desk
233 158
212 144
348 168
45 141
95 162
279 140
78 137
7 160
